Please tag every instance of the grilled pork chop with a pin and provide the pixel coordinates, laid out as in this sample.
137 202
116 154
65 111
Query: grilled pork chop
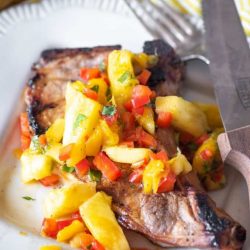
185 217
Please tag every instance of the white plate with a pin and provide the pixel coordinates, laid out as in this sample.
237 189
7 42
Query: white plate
25 31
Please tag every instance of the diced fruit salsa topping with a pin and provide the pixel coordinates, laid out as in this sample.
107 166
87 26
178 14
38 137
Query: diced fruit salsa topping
108 133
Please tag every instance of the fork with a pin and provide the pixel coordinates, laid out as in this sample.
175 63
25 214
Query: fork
166 23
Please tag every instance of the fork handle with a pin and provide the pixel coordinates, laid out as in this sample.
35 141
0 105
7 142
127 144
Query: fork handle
235 150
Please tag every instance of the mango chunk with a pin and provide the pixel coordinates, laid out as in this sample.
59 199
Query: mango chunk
127 155
70 231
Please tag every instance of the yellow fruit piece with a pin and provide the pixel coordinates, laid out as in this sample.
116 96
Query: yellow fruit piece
53 150
101 222
186 116
55 131
101 86
121 75
50 247
35 166
81 117
201 165
94 143
147 120
127 155
76 241
212 113
152 175
70 231
66 200
110 138
180 164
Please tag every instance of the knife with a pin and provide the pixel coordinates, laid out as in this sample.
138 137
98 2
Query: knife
229 55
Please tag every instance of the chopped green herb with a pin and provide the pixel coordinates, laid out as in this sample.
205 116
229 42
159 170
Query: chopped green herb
67 169
126 75
35 145
109 110
28 198
108 94
79 119
95 88
95 175
102 66
207 167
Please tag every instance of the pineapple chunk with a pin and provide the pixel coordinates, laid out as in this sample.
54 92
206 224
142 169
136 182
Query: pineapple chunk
147 120
53 150
127 155
180 164
70 231
55 131
81 117
66 200
110 138
35 166
101 222
121 75
186 116
94 143
100 87
212 113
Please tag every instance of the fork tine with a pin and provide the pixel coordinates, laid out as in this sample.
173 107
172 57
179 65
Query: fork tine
150 23
177 17
164 19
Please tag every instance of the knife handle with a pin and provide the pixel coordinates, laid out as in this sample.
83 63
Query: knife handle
235 150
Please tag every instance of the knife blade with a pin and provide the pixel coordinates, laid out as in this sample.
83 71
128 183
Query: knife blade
229 56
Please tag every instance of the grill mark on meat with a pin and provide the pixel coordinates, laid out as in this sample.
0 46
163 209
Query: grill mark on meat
166 76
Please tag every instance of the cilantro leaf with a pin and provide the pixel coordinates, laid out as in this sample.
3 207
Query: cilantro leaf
79 119
95 175
36 145
67 169
126 75
28 198
95 88
109 110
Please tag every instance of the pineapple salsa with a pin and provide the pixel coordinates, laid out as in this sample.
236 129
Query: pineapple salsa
111 117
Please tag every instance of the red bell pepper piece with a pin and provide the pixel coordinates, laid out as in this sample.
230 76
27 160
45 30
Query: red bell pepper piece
145 139
128 106
161 155
206 154
89 73
144 77
50 180
107 167
138 111
201 139
110 119
128 120
65 151
90 94
167 183
24 131
49 227
140 96
164 119
82 168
